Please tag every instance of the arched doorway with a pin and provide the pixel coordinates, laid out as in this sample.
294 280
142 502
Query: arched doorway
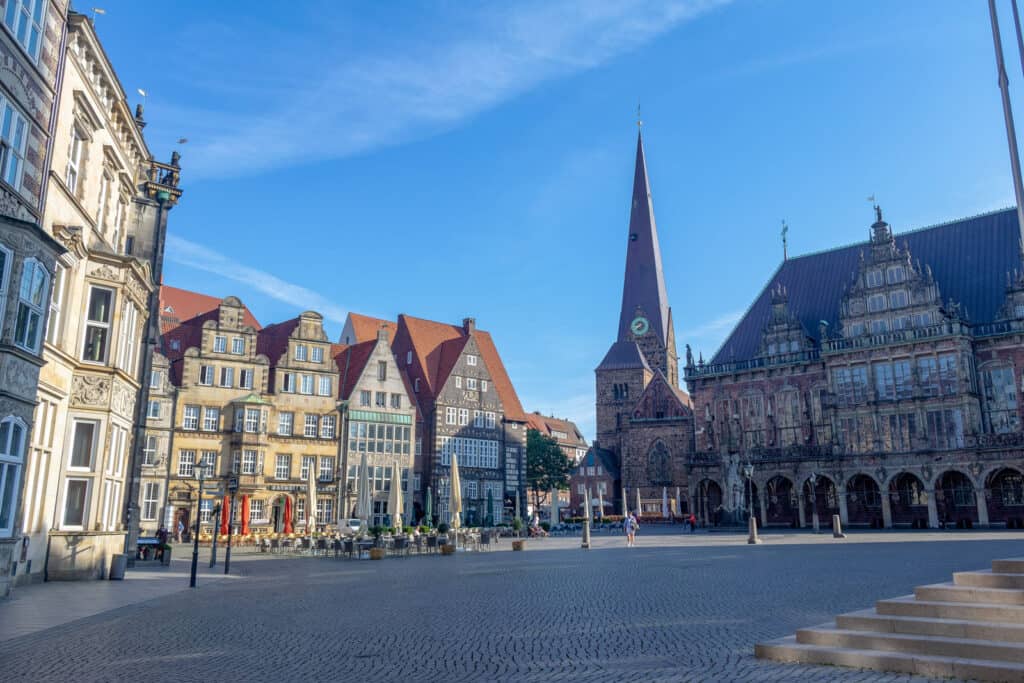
863 502
780 499
709 502
278 515
909 501
955 501
823 499
1006 498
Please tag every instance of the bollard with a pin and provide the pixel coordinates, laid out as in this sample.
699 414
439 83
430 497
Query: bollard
753 539
586 535
837 527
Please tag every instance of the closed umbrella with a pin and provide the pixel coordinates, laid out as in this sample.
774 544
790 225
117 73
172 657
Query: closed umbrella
429 509
639 512
395 503
311 502
600 498
245 515
553 512
586 505
517 504
679 503
363 497
288 515
625 499
455 506
664 502
225 516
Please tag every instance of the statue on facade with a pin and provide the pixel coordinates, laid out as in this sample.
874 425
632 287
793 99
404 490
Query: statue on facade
689 356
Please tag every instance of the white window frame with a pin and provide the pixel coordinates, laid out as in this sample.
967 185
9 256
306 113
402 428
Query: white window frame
245 378
318 354
252 420
211 425
471 383
324 386
311 425
220 343
85 503
26 20
153 409
186 465
12 461
306 466
92 446
470 359
285 460
150 500
326 471
288 382
206 373
306 385
76 152
328 424
458 382
190 418
285 423
450 415
250 461
12 146
6 265
238 346
149 450
227 377
301 352
33 300
107 325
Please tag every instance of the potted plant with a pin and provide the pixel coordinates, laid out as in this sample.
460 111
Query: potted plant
517 525
165 554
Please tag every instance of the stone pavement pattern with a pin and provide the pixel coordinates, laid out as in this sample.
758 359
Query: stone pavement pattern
671 610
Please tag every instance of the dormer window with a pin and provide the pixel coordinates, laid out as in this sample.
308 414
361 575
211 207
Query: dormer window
879 326
874 278
318 354
876 302
898 299
301 351
220 344
895 274
237 346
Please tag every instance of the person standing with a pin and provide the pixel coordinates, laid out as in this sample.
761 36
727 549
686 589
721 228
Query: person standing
693 522
630 525
181 530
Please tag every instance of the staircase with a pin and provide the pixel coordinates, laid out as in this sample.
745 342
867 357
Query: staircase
970 628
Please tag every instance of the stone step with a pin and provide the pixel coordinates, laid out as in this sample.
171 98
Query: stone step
933 646
948 592
788 650
987 579
908 606
872 621
1012 565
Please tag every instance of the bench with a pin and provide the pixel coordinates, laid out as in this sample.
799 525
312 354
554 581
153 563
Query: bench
147 548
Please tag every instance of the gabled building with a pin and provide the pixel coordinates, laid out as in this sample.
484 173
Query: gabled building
570 440
597 473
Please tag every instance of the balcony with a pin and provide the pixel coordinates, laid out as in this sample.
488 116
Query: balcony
947 329
709 370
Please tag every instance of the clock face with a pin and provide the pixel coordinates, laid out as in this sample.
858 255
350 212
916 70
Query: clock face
639 326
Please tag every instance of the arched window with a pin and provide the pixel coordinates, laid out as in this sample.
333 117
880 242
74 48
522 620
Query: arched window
12 455
35 283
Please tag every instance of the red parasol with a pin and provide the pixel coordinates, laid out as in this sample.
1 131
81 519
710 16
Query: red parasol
225 512
245 515
288 515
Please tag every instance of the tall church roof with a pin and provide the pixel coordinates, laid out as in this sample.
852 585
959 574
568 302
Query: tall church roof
969 259
644 284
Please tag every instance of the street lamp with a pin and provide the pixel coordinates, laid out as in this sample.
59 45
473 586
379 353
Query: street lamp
813 479
195 537
748 470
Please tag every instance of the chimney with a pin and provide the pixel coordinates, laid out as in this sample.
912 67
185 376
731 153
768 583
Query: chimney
469 325
382 333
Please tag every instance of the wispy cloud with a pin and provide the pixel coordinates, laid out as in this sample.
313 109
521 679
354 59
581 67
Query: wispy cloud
709 335
344 102
192 255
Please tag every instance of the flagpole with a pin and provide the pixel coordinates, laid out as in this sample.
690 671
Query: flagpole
1011 134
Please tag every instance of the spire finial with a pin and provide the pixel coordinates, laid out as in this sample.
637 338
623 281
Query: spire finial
878 213
639 120
785 229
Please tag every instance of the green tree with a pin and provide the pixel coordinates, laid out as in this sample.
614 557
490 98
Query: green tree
546 465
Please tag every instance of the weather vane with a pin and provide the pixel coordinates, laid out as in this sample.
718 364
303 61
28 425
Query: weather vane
785 229
639 121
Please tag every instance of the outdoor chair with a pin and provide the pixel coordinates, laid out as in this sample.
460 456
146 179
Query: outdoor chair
305 546
321 547
419 545
431 544
349 547
400 546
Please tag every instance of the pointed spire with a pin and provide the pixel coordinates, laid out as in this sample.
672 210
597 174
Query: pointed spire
643 290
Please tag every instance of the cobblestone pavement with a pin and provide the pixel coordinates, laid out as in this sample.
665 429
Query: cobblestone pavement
673 609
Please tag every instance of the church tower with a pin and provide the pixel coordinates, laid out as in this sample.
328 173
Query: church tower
645 341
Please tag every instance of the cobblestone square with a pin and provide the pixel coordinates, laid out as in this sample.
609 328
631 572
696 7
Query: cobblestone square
676 608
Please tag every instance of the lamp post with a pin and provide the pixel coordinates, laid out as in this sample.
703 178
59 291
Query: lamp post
753 538
195 537
213 545
814 501
232 489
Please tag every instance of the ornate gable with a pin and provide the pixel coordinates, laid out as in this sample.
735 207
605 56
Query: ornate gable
659 401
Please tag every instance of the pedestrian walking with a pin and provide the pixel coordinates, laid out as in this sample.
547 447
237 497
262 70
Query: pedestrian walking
693 522
629 524
181 530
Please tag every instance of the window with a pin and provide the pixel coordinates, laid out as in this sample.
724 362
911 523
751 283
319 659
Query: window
155 380
308 462
301 351
288 382
12 147
324 511
28 331
285 423
874 278
470 360
1000 394
190 418
879 326
236 462
283 467
248 461
186 463
876 302
153 410
364 398
12 455
326 469
478 419
300 510
928 375
206 375
396 401
949 377
83 445
463 416
239 419
149 451
381 399
211 419
25 19
491 420
898 299
470 452
237 346
945 428
483 386
76 498
327 423
449 415
220 344
127 346
382 370
97 329
75 153
53 324
227 377
150 500
324 388
458 382
209 463
895 274
245 378
310 426
903 379
306 384
850 384
205 511
256 511
252 420
408 357
318 354
416 385
471 383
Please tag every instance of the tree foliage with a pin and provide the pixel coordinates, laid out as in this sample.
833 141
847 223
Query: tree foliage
546 465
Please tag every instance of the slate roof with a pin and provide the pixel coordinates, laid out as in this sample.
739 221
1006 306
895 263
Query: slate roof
969 259
602 456
351 362
623 355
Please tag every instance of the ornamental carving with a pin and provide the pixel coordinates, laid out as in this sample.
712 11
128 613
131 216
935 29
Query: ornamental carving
123 400
137 291
105 272
12 205
20 378
90 390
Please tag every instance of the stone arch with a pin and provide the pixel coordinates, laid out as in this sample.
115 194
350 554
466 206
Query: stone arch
659 464
780 502
908 499
708 502
276 515
824 499
864 501
1004 496
955 499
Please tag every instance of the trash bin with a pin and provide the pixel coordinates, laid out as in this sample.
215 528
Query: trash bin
118 564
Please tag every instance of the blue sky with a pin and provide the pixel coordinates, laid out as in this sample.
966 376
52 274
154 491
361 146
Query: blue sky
445 159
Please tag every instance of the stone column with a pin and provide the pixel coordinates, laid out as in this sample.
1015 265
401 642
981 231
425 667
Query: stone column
764 509
800 510
982 501
886 511
844 514
933 511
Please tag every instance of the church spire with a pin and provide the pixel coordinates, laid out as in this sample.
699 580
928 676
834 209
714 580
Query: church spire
643 291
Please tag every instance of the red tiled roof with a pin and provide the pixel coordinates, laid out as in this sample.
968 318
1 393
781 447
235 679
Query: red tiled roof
351 361
545 425
179 305
365 327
